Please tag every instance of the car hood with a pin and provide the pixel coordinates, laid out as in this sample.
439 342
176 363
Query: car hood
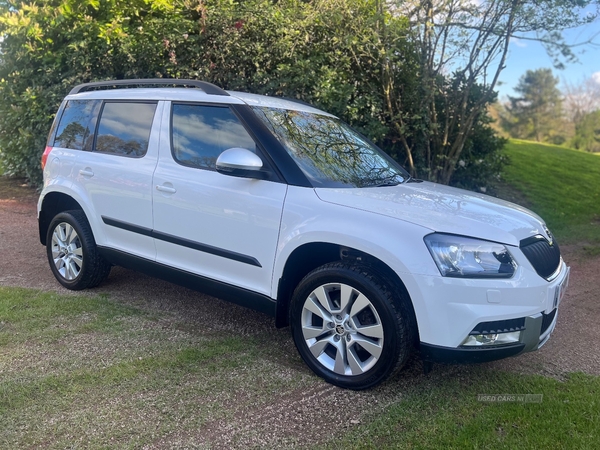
443 209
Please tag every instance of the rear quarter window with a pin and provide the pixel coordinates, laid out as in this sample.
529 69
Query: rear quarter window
77 123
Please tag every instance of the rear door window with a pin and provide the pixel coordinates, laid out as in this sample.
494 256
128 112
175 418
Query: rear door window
124 128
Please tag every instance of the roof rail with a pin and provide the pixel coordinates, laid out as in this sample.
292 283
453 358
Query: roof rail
207 87
296 100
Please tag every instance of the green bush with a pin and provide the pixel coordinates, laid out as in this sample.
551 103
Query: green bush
482 161
340 55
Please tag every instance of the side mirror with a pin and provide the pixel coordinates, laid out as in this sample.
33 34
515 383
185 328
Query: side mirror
240 162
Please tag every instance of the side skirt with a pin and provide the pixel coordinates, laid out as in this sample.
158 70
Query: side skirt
233 294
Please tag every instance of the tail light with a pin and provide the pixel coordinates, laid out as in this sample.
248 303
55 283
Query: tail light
47 151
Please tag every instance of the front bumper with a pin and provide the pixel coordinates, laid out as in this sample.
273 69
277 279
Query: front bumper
536 333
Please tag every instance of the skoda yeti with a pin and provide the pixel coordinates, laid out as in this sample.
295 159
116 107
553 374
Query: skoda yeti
283 208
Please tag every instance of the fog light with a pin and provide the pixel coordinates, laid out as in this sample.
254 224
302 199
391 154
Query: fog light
492 339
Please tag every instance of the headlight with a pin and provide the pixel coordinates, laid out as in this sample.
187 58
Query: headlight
458 256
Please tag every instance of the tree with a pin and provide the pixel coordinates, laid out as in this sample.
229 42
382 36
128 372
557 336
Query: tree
320 51
582 106
587 132
537 112
416 76
581 98
49 46
468 40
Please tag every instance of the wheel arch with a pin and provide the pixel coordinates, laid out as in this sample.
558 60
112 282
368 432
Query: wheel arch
53 204
309 256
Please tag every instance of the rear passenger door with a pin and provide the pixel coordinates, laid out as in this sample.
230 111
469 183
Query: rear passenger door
206 223
115 173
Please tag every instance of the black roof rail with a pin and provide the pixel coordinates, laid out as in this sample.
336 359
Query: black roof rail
207 87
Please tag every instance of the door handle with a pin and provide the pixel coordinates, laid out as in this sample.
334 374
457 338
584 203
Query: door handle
87 172
167 189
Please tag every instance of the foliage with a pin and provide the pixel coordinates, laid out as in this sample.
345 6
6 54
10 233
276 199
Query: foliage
582 105
537 112
320 51
587 132
482 160
374 64
472 39
323 52
581 98
572 116
498 114
48 47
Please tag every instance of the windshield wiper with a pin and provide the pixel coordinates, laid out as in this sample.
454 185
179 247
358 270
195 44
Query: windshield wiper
385 183
413 180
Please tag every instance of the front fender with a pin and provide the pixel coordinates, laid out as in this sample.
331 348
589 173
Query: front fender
307 219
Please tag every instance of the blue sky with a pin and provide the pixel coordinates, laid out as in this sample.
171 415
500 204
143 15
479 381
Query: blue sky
530 55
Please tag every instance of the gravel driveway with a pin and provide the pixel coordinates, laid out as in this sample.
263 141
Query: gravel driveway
572 347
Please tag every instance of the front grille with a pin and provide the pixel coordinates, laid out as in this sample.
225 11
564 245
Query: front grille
544 258
547 320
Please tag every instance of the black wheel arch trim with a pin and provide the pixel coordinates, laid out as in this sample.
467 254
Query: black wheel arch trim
54 203
205 248
320 253
234 294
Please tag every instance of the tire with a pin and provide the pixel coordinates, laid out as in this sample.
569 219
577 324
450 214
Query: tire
72 252
348 327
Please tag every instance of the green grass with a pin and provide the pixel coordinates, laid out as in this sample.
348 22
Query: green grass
561 185
32 315
89 372
448 414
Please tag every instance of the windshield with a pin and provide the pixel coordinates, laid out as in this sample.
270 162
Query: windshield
329 152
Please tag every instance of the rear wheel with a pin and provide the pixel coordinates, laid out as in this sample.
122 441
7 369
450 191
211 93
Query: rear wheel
72 252
347 326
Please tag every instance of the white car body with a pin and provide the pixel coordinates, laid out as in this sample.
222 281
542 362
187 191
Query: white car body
262 223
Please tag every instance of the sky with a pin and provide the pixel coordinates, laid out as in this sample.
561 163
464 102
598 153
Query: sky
530 55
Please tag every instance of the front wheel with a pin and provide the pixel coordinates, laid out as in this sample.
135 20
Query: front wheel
72 252
348 327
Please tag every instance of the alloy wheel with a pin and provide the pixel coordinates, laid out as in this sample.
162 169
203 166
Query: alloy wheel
342 329
67 251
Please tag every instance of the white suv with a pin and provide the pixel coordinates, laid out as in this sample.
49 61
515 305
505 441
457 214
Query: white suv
281 207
